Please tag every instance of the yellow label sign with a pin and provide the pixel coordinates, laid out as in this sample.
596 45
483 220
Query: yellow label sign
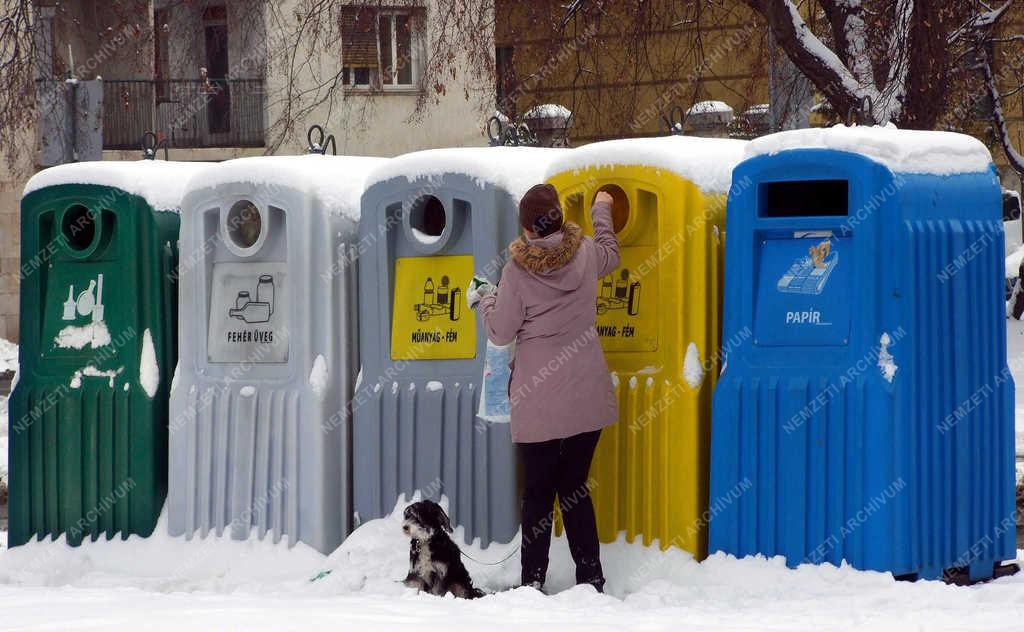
627 302
430 318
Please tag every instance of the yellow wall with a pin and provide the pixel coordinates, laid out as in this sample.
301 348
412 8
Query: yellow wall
623 88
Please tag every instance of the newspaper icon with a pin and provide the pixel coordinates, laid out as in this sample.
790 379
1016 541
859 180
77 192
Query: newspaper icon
808 275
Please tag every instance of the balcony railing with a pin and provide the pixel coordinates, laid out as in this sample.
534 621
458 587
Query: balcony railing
189 113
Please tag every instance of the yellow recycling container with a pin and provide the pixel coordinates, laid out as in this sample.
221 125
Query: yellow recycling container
659 321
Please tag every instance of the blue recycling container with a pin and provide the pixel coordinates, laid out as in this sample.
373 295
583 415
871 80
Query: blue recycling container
865 413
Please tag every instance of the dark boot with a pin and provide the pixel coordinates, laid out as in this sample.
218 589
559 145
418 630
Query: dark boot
534 578
588 571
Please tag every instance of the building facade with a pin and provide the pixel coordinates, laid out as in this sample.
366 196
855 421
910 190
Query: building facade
219 79
629 70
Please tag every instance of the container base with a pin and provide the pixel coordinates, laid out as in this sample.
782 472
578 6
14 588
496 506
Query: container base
966 576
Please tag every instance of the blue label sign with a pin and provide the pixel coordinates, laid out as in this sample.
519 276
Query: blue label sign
803 292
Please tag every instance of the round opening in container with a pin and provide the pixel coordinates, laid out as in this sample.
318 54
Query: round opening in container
620 206
427 219
78 227
244 224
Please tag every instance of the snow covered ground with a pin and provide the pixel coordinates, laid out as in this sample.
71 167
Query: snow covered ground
1015 355
3 441
165 583
8 362
8 356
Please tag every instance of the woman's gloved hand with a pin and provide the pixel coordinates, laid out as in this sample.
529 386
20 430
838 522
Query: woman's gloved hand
479 287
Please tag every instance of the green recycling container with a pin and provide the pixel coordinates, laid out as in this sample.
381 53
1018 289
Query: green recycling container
88 414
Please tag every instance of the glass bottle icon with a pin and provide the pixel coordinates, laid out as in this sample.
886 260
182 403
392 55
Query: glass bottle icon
443 291
265 291
622 285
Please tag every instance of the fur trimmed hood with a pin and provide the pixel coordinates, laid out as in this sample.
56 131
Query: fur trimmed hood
542 259
552 260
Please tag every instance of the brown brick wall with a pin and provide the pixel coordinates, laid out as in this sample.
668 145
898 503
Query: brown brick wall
10 251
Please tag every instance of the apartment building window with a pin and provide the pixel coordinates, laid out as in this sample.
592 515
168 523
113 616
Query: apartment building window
380 47
215 30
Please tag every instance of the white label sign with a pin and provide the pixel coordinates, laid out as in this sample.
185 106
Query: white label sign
248 313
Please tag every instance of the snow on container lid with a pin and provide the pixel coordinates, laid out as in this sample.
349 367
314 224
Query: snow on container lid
161 183
707 162
548 110
514 169
336 180
901 150
708 107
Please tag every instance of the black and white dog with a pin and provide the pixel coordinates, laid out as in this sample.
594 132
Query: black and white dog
435 562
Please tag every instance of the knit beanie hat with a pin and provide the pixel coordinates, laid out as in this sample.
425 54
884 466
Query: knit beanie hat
540 211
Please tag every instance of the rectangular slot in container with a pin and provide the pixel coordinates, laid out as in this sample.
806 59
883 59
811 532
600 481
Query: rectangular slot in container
805 198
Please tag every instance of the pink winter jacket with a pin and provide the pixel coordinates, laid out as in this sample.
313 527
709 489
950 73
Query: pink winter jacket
547 302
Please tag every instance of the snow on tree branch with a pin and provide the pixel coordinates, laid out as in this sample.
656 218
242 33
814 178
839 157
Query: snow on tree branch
1014 157
899 56
850 85
979 32
821 65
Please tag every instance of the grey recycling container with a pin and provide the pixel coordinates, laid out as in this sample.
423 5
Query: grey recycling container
258 428
434 218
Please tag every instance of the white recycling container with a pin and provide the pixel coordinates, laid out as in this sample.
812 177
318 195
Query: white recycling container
258 430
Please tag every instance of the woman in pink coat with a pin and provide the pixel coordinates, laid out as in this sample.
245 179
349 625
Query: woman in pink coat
560 389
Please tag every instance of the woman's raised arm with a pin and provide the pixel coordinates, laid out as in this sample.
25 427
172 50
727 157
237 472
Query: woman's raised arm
604 235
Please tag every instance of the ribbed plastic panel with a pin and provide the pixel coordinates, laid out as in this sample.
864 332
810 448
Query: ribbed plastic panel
439 448
648 463
242 462
793 480
77 465
960 443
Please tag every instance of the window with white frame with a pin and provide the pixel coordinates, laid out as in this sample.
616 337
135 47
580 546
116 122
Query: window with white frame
380 47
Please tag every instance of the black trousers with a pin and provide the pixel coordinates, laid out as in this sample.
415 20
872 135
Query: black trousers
562 467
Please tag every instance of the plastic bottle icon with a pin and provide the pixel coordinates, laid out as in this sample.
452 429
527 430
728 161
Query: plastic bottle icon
606 286
428 292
